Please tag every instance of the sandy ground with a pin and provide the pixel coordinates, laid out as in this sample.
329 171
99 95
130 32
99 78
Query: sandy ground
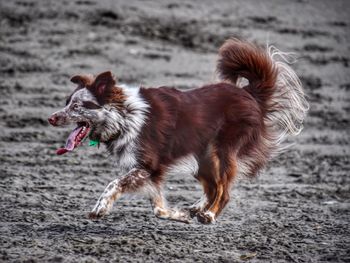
297 211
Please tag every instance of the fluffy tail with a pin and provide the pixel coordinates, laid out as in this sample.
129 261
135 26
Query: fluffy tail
273 84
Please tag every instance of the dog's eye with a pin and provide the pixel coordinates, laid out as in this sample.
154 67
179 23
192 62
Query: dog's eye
75 106
91 105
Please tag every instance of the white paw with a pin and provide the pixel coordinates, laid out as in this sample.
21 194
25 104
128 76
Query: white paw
161 212
101 209
206 217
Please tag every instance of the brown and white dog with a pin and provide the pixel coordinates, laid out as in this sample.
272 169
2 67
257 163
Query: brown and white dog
212 133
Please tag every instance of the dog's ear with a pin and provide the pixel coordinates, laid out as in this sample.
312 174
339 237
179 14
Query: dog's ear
104 89
102 83
82 80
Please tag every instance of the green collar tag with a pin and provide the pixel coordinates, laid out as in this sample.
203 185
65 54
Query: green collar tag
94 143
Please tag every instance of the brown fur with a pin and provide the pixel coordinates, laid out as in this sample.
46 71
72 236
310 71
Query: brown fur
223 116
227 118
224 127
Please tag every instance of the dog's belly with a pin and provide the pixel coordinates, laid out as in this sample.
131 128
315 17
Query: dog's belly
187 165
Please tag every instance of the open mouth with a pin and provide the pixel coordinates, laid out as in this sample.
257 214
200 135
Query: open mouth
75 138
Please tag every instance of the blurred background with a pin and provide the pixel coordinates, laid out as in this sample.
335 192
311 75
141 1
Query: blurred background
298 210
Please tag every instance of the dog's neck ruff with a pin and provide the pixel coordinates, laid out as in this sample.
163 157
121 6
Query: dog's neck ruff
125 146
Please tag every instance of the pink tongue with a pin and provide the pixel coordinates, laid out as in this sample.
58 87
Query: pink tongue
70 143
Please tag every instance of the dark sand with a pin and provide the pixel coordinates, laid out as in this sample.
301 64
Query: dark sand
298 210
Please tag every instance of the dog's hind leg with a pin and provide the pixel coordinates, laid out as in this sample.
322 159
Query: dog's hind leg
207 175
228 174
217 186
198 206
134 181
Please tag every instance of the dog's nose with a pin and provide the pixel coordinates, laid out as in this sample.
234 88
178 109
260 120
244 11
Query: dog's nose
52 120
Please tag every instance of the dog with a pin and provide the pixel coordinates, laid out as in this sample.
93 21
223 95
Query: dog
212 133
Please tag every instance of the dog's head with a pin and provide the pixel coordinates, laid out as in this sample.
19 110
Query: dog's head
95 106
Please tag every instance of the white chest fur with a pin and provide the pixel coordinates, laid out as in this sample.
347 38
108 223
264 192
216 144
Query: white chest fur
125 157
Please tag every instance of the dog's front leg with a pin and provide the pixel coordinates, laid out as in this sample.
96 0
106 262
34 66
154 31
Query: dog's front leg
128 183
162 211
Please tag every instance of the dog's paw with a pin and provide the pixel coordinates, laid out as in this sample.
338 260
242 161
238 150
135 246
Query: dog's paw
193 211
181 216
206 217
99 211
161 213
94 216
173 214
